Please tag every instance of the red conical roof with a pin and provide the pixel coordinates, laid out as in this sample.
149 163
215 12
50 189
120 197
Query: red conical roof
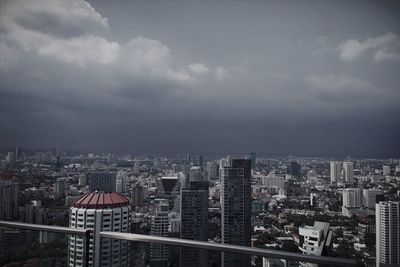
101 200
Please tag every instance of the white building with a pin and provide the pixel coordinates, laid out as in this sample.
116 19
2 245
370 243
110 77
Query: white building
385 170
369 197
195 174
387 233
121 185
159 227
351 198
335 171
272 180
315 240
212 171
99 212
348 168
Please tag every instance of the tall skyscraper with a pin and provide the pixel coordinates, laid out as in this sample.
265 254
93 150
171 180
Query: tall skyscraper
294 169
201 162
121 182
387 233
348 167
137 196
351 198
8 200
369 197
252 157
17 153
195 174
136 168
159 227
236 209
194 221
104 181
335 171
99 212
212 171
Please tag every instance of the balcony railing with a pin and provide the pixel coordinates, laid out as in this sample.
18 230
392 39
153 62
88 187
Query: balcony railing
266 253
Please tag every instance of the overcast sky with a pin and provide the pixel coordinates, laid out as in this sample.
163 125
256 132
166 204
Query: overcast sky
318 78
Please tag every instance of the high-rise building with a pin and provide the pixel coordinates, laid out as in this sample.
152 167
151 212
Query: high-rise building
194 221
369 197
387 233
351 198
271 180
212 171
104 181
196 174
18 154
315 240
99 212
348 167
236 209
8 200
121 182
385 170
335 171
137 196
201 162
10 158
294 169
61 186
252 157
136 168
159 227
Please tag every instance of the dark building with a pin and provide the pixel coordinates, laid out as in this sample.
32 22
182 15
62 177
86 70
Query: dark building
236 209
252 157
294 169
8 200
103 181
194 221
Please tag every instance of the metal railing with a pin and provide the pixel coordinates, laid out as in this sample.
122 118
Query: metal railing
267 253
55 229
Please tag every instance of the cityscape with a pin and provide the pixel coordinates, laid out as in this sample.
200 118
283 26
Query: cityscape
344 208
199 133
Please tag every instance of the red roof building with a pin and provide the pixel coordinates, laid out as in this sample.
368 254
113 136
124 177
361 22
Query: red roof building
101 200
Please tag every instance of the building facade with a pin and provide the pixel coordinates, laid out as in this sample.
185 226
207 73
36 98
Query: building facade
104 181
348 168
236 209
8 200
159 227
387 233
335 170
99 212
194 221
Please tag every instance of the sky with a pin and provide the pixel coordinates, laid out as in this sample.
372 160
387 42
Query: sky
312 78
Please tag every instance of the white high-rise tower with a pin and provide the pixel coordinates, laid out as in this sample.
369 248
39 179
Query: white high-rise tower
348 167
387 233
99 212
335 171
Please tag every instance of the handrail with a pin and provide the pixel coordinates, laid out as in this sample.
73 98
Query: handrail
268 253
40 227
56 229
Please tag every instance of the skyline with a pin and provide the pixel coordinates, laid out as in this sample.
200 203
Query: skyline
278 78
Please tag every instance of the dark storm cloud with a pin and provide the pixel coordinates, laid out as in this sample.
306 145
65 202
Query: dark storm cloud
76 75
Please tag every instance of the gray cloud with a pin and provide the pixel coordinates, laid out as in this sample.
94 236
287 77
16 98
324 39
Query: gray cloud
94 76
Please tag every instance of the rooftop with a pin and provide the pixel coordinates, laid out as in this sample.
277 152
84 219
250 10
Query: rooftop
101 200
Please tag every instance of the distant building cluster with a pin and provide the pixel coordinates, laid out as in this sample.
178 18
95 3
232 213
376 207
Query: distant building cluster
339 208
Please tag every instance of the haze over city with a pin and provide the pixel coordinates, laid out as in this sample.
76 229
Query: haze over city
277 77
